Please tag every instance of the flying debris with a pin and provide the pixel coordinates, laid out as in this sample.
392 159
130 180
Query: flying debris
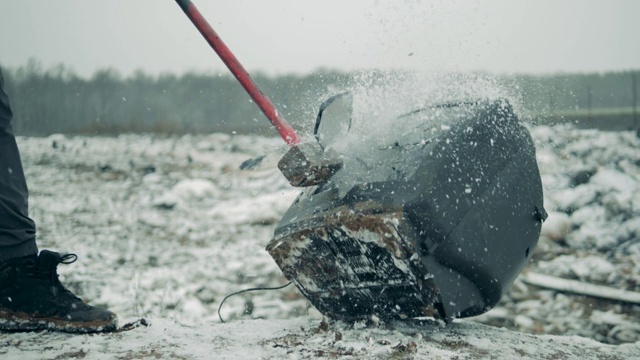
437 223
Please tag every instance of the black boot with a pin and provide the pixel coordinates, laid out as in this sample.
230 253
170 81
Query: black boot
32 298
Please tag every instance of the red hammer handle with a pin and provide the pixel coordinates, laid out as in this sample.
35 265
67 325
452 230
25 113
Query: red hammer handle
284 128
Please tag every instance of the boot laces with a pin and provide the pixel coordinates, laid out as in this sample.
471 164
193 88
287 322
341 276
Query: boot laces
55 280
52 273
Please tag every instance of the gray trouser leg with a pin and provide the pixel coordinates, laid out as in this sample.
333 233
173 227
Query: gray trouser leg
17 230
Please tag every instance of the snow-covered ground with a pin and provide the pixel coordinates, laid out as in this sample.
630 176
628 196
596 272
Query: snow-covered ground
591 181
165 227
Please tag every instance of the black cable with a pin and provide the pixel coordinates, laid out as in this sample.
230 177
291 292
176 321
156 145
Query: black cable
246 290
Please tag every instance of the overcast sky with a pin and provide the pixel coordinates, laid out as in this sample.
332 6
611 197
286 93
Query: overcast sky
299 36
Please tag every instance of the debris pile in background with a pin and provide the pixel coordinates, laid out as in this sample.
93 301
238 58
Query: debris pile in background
167 226
591 181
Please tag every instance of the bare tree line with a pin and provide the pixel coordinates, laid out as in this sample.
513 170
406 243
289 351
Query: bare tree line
56 100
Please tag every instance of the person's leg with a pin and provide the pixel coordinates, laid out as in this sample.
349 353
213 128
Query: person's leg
31 295
17 230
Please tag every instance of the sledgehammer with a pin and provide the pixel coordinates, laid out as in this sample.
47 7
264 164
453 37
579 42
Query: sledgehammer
305 164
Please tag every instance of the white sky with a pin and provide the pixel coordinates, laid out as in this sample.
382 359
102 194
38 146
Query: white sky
299 36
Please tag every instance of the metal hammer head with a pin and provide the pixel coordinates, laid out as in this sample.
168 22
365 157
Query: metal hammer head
307 164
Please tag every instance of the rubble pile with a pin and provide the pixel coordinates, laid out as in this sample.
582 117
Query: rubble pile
167 226
591 181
